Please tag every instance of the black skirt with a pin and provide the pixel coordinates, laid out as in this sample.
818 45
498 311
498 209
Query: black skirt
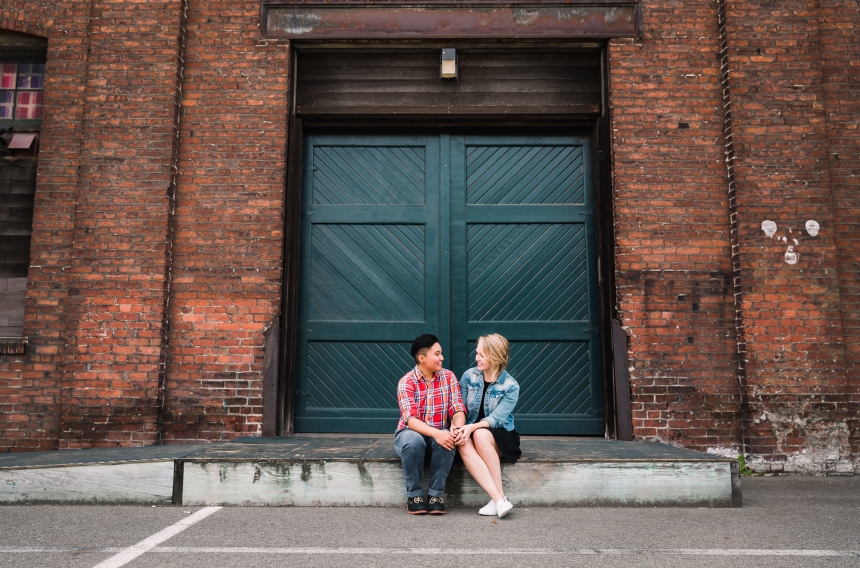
508 442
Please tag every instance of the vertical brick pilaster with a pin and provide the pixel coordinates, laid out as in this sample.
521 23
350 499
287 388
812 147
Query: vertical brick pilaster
731 187
839 31
226 280
672 228
30 384
795 372
110 393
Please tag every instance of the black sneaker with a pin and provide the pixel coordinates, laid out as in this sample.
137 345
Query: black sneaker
416 506
437 506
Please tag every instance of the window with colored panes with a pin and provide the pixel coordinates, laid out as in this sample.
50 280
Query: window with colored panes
22 91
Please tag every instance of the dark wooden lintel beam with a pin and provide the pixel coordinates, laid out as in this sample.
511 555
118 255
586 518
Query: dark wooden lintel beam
451 20
448 110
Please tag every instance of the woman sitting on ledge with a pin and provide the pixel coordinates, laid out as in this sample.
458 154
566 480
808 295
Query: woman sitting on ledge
490 395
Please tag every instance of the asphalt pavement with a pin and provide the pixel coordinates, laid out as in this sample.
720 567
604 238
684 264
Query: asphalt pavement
785 521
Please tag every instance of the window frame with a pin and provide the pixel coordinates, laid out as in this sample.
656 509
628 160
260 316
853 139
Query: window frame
22 123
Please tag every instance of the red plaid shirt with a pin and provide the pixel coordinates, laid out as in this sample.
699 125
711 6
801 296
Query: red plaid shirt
433 403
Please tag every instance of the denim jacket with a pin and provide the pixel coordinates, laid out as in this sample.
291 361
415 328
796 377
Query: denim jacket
499 402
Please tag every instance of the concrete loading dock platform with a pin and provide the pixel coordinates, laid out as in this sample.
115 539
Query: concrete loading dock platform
363 470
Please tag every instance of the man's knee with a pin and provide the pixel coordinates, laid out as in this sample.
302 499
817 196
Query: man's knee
442 455
412 442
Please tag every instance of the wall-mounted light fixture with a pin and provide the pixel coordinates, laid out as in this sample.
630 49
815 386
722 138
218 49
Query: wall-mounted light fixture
448 69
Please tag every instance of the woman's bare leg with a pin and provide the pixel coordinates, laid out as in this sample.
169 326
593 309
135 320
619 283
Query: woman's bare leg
478 470
489 452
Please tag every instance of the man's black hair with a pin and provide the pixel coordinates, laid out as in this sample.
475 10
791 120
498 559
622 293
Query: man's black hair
422 343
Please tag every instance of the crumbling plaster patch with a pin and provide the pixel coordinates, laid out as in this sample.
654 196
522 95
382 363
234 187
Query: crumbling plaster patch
724 451
825 450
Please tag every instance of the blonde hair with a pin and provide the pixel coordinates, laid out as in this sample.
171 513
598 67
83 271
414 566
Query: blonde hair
496 349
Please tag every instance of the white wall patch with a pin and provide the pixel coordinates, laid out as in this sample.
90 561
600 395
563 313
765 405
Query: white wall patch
769 228
790 256
812 228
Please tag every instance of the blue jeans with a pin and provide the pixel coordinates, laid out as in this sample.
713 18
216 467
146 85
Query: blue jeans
413 449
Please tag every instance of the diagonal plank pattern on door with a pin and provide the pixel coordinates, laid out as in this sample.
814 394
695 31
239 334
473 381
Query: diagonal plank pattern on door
368 175
553 378
368 276
515 175
332 366
367 273
530 274
520 272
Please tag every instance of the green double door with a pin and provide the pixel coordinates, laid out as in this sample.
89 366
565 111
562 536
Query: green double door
458 236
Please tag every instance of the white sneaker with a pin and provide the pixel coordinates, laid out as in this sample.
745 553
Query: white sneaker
488 510
503 507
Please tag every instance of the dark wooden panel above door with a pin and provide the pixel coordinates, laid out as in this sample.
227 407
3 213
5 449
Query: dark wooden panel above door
489 83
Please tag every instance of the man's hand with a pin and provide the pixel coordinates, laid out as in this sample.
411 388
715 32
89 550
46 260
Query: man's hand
445 439
458 422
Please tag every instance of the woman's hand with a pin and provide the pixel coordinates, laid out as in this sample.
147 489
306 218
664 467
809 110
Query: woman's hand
455 431
463 434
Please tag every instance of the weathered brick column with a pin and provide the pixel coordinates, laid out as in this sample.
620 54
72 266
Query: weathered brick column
839 31
226 280
672 228
118 282
796 382
30 384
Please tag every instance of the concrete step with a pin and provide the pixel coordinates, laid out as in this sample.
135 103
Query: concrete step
363 470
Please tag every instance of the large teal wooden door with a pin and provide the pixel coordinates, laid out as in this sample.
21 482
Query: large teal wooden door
524 265
369 276
456 236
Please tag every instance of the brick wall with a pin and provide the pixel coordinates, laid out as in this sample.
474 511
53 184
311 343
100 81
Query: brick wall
672 229
791 306
129 188
111 382
157 236
789 113
30 385
839 41
226 278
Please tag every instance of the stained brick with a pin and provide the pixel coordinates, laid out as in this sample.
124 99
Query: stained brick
795 365
672 228
159 223
229 222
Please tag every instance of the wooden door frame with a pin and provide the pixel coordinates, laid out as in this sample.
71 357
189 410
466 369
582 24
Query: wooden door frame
597 128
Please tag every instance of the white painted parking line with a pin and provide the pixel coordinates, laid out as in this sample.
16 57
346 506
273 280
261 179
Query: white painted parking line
132 552
56 549
517 551
440 551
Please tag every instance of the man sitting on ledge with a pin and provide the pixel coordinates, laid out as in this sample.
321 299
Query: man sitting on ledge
429 400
